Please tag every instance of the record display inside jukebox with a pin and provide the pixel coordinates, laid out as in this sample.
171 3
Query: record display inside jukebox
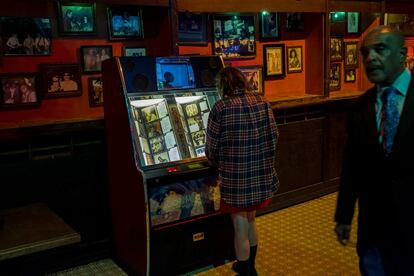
183 200
171 127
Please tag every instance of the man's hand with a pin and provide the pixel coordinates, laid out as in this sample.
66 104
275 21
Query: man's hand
342 231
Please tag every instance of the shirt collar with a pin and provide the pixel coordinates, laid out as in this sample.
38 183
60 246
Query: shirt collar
401 83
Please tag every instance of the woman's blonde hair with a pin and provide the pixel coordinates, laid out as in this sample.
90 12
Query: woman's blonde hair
231 81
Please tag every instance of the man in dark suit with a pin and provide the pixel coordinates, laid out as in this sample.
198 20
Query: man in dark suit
378 167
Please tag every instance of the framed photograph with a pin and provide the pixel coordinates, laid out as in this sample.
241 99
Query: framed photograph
350 75
61 80
294 22
234 35
352 22
125 22
95 91
335 76
269 25
402 22
192 28
336 49
93 56
76 18
294 59
274 60
26 36
351 54
254 76
135 51
18 90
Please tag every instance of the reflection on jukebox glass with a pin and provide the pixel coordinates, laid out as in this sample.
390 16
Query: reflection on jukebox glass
161 158
199 138
149 114
137 117
154 129
191 110
200 152
157 144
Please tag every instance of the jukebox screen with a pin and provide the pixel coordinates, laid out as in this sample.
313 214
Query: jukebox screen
174 73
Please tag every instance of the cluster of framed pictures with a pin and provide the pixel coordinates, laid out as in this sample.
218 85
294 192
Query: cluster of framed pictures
33 36
274 60
234 34
346 52
25 36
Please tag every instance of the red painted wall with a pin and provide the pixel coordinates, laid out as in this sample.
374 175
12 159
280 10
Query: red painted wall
157 40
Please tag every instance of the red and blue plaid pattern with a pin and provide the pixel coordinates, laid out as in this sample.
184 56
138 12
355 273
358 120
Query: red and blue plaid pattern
241 140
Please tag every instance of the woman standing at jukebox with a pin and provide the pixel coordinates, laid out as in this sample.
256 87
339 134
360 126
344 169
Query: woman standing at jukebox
241 142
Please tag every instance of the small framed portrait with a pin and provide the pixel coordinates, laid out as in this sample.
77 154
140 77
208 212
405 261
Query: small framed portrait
254 76
93 56
234 35
269 25
350 75
95 91
61 80
192 28
76 18
335 76
402 22
274 60
352 22
336 49
351 54
294 59
26 36
18 90
294 22
135 51
125 22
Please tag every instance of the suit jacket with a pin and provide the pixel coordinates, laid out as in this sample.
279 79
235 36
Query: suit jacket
383 186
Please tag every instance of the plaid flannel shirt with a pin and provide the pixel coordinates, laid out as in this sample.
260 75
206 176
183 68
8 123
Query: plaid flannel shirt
241 140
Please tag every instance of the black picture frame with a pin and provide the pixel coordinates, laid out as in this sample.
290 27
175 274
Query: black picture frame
294 22
26 36
353 22
254 77
61 80
234 36
92 57
125 22
95 91
336 50
19 90
351 54
134 51
192 28
349 74
335 76
269 26
274 60
294 63
76 19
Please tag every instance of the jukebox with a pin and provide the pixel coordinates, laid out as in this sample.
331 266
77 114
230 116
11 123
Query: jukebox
164 196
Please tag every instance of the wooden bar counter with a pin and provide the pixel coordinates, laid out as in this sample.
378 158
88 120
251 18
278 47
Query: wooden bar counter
32 229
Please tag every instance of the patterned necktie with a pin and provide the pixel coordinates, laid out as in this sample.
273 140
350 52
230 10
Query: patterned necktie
390 117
